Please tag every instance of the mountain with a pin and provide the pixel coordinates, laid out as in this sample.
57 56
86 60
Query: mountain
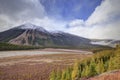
29 34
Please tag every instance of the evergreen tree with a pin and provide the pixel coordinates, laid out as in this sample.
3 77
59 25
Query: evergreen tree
114 62
87 71
111 64
100 67
63 75
58 75
92 70
83 73
117 59
75 72
68 74
53 75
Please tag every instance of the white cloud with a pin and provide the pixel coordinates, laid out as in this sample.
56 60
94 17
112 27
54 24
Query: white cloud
106 12
76 23
5 22
18 11
49 23
104 23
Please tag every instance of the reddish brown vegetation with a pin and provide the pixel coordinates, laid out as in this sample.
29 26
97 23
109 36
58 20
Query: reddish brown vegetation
35 67
27 72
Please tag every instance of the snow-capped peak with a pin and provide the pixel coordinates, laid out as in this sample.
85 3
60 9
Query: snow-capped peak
32 27
58 32
28 26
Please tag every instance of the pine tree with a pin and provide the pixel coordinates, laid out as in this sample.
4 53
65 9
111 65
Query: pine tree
92 70
75 72
83 72
114 62
68 74
100 67
63 75
87 71
53 75
111 64
58 75
117 59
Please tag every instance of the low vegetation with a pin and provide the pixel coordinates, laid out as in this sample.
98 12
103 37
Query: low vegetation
94 48
7 46
102 61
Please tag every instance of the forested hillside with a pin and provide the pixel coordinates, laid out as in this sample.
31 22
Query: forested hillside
102 61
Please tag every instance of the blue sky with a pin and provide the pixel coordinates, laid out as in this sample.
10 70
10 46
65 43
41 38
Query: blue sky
70 9
95 19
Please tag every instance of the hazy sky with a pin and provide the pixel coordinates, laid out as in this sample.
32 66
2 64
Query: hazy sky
86 18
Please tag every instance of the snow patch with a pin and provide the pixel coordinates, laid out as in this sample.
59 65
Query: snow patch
32 27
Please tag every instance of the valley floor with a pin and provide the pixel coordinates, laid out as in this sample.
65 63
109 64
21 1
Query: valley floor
37 64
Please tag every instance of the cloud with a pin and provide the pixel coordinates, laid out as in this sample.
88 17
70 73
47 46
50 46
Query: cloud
49 23
108 11
76 23
21 8
18 11
104 23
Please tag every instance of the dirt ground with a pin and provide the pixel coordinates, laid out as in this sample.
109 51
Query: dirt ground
113 75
